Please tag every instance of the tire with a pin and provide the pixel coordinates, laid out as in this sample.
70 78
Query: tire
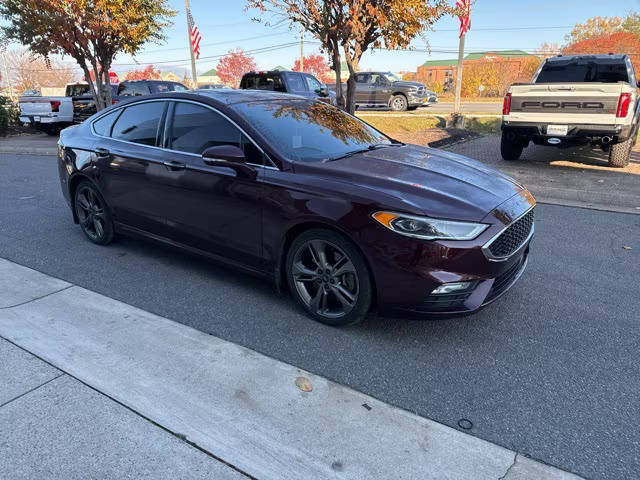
510 149
398 103
93 214
619 153
314 262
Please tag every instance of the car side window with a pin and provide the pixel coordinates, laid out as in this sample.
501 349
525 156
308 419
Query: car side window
313 84
133 89
139 123
362 77
103 125
196 128
296 84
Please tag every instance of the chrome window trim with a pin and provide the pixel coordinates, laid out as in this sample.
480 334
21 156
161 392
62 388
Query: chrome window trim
493 258
269 167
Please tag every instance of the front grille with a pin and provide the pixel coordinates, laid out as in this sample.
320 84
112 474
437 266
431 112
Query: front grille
513 237
446 302
502 282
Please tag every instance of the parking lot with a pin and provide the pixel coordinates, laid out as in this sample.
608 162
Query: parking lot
549 371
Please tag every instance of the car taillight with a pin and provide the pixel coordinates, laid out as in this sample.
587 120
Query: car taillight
55 105
113 102
506 105
623 105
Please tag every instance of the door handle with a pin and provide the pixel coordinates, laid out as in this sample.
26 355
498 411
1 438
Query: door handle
102 152
174 166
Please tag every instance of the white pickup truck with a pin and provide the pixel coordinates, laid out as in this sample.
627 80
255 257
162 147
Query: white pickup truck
51 114
574 100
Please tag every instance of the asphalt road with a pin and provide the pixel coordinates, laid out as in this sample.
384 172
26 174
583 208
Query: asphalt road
551 370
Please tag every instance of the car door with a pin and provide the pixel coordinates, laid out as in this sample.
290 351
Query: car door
363 88
132 173
212 208
381 89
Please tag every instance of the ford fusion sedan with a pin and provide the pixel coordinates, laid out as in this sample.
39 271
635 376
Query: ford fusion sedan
295 190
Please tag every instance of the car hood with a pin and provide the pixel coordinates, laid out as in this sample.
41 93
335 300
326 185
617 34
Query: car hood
407 84
424 180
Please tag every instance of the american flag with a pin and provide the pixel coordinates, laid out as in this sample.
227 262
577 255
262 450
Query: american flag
195 34
465 21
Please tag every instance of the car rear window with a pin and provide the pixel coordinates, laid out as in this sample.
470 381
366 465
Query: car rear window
77 90
583 71
263 82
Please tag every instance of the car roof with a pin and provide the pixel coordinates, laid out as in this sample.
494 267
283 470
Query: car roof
230 96
565 58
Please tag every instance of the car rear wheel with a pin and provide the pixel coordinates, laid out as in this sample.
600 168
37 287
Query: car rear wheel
93 214
620 153
510 149
398 103
329 277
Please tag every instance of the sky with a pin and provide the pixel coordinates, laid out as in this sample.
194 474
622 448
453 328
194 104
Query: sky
496 25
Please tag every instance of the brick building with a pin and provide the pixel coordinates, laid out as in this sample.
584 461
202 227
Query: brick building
444 71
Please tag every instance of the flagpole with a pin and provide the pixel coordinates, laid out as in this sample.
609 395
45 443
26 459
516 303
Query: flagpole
194 76
456 105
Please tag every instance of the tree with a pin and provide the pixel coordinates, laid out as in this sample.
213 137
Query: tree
92 32
147 73
599 26
620 42
314 64
28 71
359 25
233 66
546 50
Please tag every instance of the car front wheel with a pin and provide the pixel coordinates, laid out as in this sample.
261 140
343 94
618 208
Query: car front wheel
329 277
398 103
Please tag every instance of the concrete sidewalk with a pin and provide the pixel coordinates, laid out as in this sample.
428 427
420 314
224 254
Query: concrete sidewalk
54 427
262 417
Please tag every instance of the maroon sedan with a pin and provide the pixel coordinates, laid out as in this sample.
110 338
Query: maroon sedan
304 194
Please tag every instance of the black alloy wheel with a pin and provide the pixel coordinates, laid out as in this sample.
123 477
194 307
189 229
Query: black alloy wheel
93 214
329 278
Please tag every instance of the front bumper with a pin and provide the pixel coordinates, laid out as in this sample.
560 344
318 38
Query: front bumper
408 270
577 133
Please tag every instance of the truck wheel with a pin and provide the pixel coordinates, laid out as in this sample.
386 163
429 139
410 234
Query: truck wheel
510 149
620 153
398 103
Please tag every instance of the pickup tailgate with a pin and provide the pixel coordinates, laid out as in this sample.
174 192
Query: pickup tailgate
575 103
36 106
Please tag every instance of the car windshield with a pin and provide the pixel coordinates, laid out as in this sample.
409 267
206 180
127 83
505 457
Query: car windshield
582 70
307 131
392 77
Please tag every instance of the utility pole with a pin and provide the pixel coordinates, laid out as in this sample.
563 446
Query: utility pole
6 73
302 49
194 76
456 105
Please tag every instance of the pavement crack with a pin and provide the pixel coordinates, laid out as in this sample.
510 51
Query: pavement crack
31 390
515 460
36 298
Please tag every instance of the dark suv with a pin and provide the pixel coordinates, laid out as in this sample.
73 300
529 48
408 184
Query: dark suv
285 81
386 89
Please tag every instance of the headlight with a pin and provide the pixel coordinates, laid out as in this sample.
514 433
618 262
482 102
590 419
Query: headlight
429 228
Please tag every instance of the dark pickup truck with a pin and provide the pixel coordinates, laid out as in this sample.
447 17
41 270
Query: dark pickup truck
386 89
297 83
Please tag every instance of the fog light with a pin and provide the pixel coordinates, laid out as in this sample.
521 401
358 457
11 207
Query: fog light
451 288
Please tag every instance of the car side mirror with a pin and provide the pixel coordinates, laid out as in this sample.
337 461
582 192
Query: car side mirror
324 90
230 156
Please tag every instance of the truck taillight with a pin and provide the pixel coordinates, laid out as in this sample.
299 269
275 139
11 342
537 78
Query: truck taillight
55 105
506 105
623 105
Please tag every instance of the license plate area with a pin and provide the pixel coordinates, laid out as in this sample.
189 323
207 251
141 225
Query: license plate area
557 129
